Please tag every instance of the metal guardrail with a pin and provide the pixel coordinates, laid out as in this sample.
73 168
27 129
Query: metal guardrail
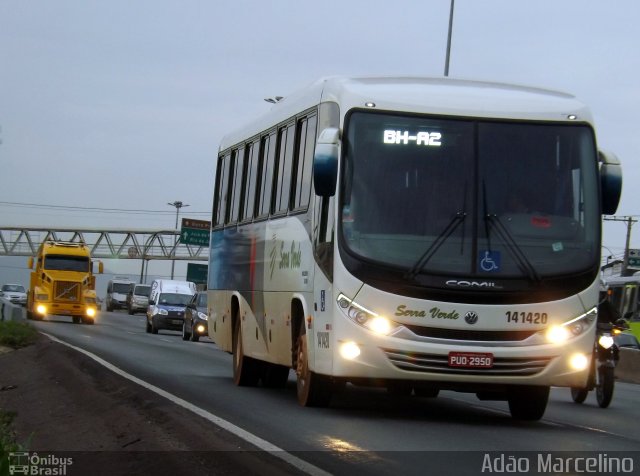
106 244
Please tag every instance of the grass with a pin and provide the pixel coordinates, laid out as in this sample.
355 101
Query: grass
8 443
635 328
17 334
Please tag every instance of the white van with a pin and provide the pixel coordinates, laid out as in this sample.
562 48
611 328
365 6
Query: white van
167 302
117 291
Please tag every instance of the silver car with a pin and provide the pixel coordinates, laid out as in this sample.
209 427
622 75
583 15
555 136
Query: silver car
138 298
14 293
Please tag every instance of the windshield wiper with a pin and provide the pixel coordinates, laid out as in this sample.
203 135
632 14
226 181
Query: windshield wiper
521 259
438 242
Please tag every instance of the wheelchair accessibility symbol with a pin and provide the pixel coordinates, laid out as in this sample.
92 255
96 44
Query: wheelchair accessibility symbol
489 261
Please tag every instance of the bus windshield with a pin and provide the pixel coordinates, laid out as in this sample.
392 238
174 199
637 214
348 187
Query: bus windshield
470 197
66 263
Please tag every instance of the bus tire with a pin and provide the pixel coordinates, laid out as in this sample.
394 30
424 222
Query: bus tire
274 375
399 388
528 403
579 395
76 319
246 371
426 392
88 320
313 390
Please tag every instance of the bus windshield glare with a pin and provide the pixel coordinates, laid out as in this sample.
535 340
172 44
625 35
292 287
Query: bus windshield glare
470 197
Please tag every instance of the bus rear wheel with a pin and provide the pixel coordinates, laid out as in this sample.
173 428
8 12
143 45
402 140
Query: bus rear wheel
246 371
313 390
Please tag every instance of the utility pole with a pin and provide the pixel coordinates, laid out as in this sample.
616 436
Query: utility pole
446 64
625 263
178 206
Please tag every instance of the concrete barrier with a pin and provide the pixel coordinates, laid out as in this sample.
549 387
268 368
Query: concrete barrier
11 312
628 368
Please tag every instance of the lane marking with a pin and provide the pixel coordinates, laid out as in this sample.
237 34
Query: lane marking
256 441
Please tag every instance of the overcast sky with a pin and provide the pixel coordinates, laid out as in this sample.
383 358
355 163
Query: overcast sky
121 104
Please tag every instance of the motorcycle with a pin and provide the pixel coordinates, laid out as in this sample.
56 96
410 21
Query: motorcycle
603 363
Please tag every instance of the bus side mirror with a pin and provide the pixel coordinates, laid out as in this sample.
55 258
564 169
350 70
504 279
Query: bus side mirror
325 162
30 262
100 267
610 182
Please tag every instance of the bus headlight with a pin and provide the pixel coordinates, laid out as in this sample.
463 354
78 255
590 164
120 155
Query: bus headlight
561 333
41 309
366 318
91 312
42 297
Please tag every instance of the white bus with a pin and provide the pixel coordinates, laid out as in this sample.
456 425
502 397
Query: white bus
624 294
412 233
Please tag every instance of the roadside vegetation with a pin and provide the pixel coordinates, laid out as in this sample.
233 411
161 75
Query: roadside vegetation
635 328
17 334
8 441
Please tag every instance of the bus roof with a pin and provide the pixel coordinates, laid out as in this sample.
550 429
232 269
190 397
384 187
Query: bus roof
441 96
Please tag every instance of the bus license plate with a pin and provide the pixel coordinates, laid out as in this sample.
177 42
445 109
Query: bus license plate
470 360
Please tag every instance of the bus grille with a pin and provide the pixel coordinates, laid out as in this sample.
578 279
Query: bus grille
465 334
439 364
66 291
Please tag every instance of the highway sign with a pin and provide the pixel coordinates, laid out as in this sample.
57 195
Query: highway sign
197 273
195 232
634 259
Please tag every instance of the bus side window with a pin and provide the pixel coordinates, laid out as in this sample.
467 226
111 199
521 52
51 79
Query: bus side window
306 147
268 156
236 184
286 138
222 188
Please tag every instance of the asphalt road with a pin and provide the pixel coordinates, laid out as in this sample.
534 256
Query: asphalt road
365 431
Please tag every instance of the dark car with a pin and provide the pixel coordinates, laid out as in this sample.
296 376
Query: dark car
627 340
196 318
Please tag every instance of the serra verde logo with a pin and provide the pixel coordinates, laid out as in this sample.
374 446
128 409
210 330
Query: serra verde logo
434 313
285 259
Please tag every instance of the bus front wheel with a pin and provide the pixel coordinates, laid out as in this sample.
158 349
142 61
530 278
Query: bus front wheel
313 390
528 402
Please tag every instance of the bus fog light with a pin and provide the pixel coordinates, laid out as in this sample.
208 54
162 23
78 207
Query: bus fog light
349 350
41 309
91 312
557 334
578 361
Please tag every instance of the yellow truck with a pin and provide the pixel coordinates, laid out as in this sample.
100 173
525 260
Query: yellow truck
63 282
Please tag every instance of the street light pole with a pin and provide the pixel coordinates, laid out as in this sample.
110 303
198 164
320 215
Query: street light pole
178 206
446 64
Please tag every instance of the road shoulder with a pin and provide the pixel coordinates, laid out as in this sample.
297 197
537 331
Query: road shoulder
66 402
